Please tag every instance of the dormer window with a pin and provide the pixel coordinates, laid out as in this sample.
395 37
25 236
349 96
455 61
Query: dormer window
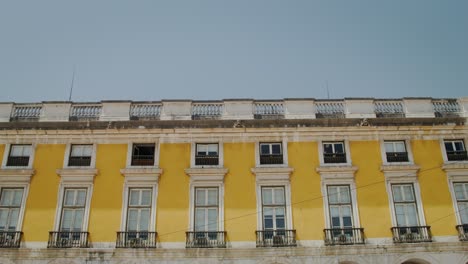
271 153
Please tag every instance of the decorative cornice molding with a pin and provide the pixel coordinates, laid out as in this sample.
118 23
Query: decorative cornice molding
337 172
272 173
16 175
456 171
402 172
206 174
146 175
76 175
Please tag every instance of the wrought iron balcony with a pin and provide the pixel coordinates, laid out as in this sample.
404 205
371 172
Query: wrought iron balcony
142 160
397 156
65 239
344 236
457 155
206 160
10 239
276 238
271 159
19 161
205 239
334 157
411 234
79 161
136 239
462 232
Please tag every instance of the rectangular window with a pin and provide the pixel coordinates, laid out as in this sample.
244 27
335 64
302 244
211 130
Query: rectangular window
143 155
271 153
455 150
334 152
461 194
80 155
10 205
73 208
206 209
139 209
206 154
395 151
19 155
273 208
340 206
406 210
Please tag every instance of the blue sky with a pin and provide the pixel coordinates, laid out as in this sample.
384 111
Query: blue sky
204 50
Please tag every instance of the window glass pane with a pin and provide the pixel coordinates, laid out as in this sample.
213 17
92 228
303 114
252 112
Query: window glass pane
412 215
81 198
459 146
212 196
144 219
134 197
327 148
346 210
264 149
347 221
332 194
279 196
212 219
132 222
14 213
276 149
78 219
400 214
200 199
339 148
213 148
460 193
334 211
69 197
267 194
280 223
268 211
27 150
408 190
67 219
463 209
3 218
88 151
16 151
279 212
397 195
335 222
268 222
400 147
17 197
448 146
388 147
200 219
344 194
146 197
6 197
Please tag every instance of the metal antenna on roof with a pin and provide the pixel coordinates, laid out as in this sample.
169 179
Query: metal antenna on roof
72 82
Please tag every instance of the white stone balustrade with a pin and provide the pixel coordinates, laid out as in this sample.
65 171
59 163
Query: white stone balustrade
235 109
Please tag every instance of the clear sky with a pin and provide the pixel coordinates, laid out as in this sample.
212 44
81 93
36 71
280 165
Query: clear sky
215 49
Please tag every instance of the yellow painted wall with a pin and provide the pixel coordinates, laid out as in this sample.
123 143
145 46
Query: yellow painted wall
106 204
372 198
240 207
435 194
306 194
172 214
42 199
2 150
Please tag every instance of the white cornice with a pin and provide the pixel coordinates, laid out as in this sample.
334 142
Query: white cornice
272 173
206 174
16 175
143 175
401 172
337 172
77 175
456 171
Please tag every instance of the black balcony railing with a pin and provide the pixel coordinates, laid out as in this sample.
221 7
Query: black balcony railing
411 234
205 239
21 161
276 238
462 232
334 157
65 239
343 236
136 239
79 161
397 156
142 160
206 160
271 159
457 155
10 239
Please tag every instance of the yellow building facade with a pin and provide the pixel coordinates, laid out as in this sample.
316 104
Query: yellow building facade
235 181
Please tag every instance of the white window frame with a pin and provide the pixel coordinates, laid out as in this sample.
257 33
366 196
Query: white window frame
273 205
220 154
125 200
417 196
25 187
284 148
59 229
347 150
60 199
352 192
68 150
206 184
444 150
409 150
461 177
138 206
130 154
287 193
7 154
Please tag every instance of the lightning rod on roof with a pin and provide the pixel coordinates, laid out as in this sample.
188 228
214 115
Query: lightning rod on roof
72 82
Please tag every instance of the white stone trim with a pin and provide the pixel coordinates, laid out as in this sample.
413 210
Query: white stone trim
409 150
77 176
284 149
6 154
130 149
400 173
339 176
193 150
206 177
444 151
347 152
456 172
34 244
67 156
16 175
140 178
25 186
269 177
171 245
242 244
